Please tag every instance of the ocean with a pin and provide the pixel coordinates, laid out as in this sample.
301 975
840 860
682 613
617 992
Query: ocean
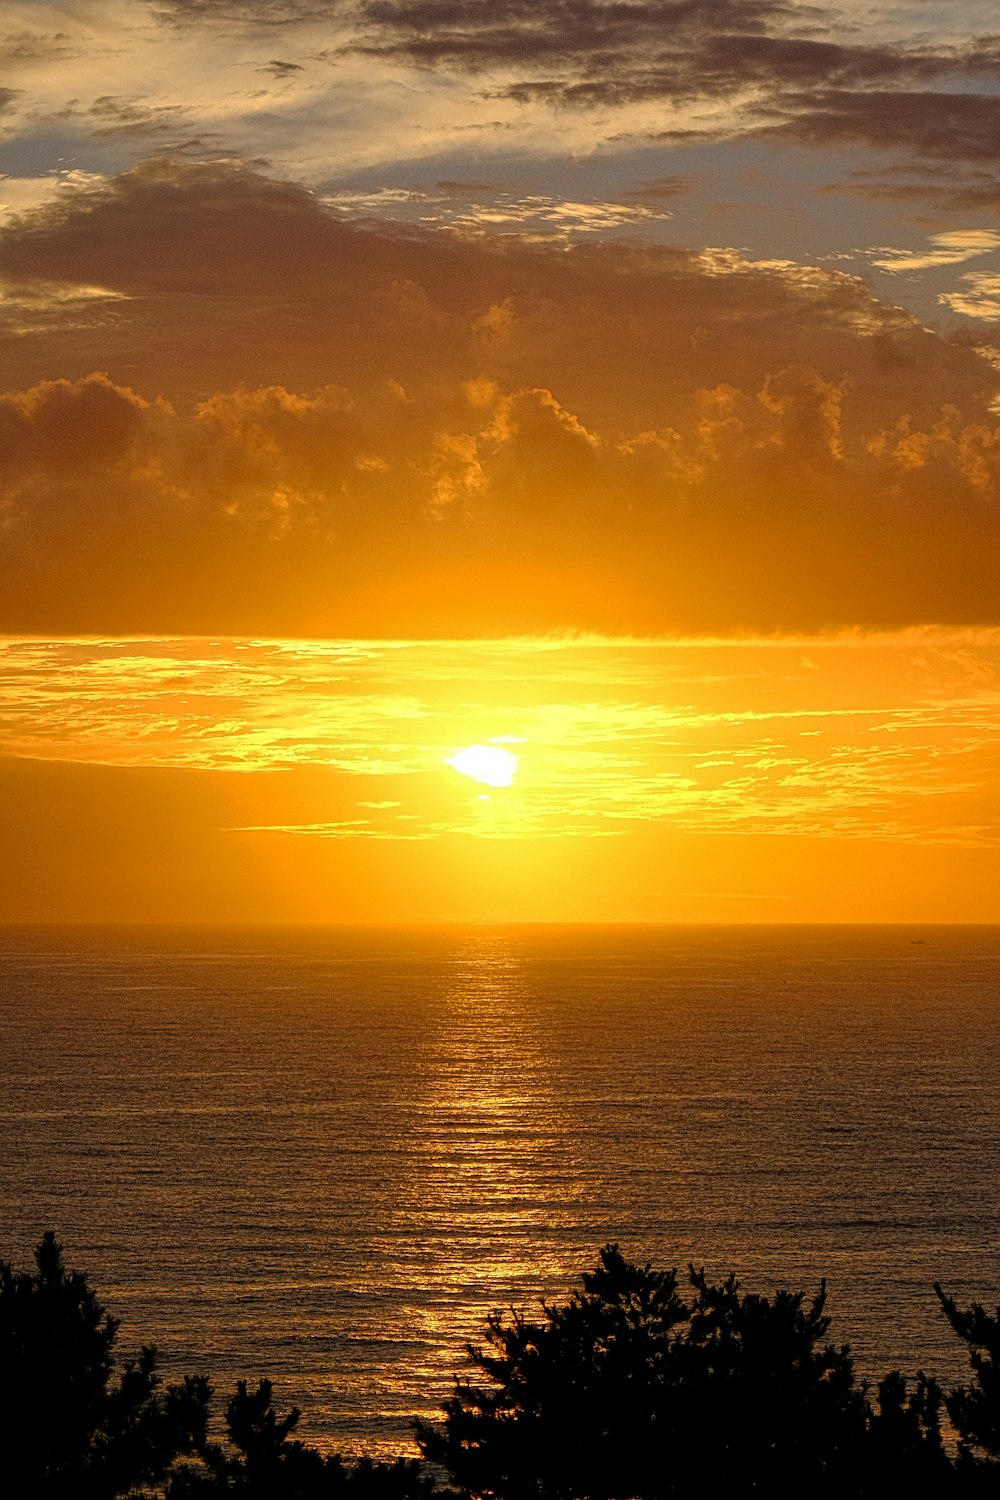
325 1155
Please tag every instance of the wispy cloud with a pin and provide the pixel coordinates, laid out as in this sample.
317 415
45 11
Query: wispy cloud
951 248
978 296
885 737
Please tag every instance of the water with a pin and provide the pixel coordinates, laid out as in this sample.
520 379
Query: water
325 1156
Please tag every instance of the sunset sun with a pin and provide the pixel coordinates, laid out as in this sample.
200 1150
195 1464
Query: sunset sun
487 764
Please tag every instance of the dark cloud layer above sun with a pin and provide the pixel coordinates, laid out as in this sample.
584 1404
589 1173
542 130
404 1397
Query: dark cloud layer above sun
275 76
759 58
518 33
696 46
957 127
312 426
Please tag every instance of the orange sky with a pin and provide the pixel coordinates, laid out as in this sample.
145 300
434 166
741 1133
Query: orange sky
845 778
396 377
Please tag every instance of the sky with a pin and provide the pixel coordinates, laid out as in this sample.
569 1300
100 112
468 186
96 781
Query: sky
617 384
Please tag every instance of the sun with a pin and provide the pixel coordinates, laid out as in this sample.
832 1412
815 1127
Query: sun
486 763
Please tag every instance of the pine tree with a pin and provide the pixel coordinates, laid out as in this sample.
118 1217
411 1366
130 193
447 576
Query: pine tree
69 1426
975 1409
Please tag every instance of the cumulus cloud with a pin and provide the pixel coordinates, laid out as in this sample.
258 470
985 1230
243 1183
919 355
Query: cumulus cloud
489 511
311 425
230 277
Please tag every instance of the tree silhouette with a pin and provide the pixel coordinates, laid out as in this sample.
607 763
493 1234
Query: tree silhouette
67 1427
74 1428
261 1461
904 1451
633 1390
975 1409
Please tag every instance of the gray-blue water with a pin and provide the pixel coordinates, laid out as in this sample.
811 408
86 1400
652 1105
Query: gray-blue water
325 1156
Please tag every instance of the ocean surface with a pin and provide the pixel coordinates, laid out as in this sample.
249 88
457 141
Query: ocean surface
325 1156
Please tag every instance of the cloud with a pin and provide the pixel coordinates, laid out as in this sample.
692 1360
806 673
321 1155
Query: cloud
111 115
962 127
65 427
479 208
635 49
335 94
26 48
913 182
803 66
263 14
720 68
281 70
951 248
414 432
234 277
892 737
674 185
978 296
484 511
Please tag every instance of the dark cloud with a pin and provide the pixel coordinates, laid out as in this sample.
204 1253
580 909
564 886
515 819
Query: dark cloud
25 48
455 188
659 188
923 185
229 276
113 115
519 33
279 69
816 86
263 14
719 65
941 126
587 53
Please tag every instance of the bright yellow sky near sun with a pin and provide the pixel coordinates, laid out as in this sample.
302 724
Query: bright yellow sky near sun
845 778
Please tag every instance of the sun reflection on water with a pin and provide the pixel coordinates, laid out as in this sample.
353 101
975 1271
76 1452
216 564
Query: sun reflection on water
490 1178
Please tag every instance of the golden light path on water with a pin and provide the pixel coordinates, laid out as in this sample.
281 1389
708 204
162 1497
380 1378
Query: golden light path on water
492 1165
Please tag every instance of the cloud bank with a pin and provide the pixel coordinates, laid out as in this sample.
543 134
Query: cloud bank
269 417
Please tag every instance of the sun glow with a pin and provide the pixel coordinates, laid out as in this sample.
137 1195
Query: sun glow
485 763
